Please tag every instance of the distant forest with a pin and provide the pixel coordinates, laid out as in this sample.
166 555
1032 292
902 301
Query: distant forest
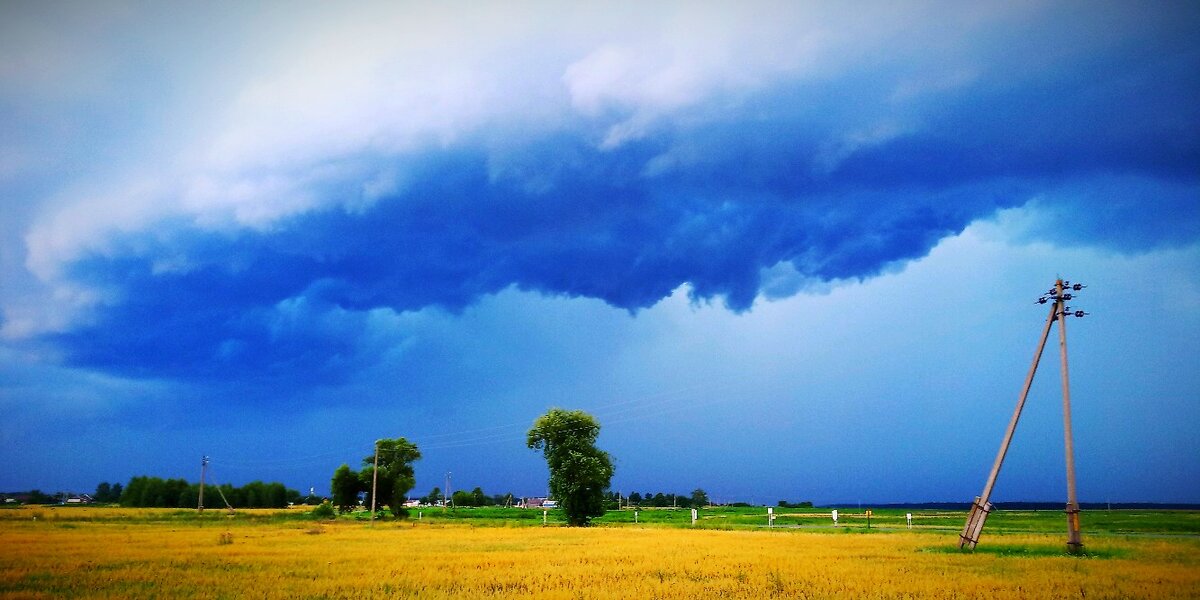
146 491
156 492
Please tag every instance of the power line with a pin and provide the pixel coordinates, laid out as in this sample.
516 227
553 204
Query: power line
660 403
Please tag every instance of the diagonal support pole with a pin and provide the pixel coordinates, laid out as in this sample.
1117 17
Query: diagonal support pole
982 506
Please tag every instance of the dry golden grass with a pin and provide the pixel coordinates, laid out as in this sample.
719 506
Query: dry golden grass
81 558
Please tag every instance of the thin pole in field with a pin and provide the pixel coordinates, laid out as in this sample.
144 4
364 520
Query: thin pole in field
203 471
374 482
1074 543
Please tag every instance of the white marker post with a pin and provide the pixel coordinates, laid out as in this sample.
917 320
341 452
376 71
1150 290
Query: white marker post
544 513
908 517
635 513
834 517
693 516
770 517
419 514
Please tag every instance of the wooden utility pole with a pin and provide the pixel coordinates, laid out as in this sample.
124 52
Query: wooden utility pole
1074 543
203 471
982 506
375 482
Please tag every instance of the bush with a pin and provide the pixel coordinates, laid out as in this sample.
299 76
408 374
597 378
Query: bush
324 511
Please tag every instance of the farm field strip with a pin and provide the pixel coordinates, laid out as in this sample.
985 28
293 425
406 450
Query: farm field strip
265 558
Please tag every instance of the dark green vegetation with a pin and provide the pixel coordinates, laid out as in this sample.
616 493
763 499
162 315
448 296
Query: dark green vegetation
108 492
697 499
579 471
154 492
394 479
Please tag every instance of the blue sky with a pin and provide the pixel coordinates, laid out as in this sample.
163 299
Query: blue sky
781 251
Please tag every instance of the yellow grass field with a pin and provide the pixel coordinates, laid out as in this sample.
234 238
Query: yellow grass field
118 557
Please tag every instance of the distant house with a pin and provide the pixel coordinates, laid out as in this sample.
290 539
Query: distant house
537 503
412 504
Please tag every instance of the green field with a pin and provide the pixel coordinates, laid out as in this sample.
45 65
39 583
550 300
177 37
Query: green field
850 519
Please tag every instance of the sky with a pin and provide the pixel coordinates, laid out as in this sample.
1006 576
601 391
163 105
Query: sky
780 250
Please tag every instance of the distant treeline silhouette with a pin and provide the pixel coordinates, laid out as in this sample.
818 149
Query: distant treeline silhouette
145 491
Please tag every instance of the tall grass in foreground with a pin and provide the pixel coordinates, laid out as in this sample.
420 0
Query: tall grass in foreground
295 559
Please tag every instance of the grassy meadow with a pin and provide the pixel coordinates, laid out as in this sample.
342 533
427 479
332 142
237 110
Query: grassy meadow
87 552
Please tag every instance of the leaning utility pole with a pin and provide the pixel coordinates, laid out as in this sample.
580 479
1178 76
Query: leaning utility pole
1059 311
203 470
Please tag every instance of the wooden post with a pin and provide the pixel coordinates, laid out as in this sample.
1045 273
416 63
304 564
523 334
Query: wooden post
982 506
1074 541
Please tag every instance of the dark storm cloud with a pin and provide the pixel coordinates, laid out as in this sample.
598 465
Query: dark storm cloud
838 180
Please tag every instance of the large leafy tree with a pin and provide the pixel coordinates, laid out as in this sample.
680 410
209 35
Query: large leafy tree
579 471
396 475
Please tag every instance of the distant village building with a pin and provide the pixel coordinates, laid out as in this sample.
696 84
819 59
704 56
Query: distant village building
538 502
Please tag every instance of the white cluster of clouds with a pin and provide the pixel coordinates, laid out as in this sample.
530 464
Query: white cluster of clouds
287 92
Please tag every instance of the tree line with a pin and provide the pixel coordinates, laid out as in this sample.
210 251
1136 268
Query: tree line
145 491
475 497
697 499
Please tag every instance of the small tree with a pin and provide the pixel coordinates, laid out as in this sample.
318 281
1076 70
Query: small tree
103 492
434 497
478 498
345 488
699 498
579 471
462 498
